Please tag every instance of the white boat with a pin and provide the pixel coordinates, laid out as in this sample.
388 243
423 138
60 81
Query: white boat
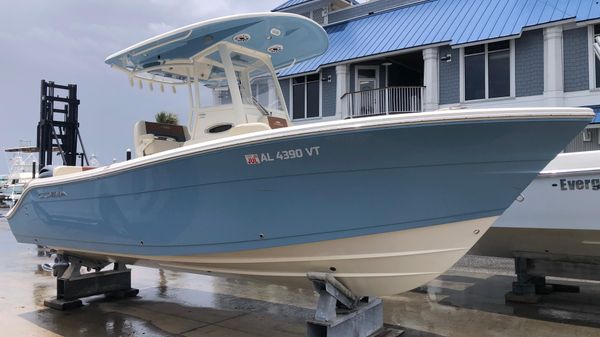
13 193
383 204
20 168
3 189
20 163
555 215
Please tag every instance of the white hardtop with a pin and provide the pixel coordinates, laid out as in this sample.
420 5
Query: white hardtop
228 65
286 38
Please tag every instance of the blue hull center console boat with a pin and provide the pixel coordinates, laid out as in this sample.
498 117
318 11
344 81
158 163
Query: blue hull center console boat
382 204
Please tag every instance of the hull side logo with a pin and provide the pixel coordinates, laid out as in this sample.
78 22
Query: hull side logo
53 194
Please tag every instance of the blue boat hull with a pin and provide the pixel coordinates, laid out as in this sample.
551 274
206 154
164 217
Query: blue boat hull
353 183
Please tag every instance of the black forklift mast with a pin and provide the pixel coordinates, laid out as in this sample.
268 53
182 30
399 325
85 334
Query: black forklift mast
58 129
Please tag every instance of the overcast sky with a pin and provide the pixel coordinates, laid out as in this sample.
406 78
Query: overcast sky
67 42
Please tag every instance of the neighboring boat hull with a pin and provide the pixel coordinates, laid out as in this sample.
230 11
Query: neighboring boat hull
557 214
354 179
577 245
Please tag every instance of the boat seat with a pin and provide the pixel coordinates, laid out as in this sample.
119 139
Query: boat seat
63 170
55 171
150 137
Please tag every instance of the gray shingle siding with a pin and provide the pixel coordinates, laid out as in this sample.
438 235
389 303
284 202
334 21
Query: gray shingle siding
318 17
578 144
328 91
575 49
366 8
529 63
285 89
449 76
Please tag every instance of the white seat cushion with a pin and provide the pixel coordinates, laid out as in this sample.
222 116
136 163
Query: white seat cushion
169 137
247 128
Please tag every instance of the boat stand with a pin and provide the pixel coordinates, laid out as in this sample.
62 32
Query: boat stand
532 269
71 285
341 313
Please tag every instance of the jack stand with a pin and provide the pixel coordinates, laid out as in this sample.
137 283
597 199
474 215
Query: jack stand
71 285
341 313
532 269
527 287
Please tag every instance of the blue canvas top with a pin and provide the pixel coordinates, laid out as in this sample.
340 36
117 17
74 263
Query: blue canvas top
454 22
296 38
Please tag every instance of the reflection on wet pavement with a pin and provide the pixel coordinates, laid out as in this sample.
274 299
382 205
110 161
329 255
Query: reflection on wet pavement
467 301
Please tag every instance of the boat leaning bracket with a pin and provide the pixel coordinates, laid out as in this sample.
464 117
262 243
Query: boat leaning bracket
340 313
71 285
532 269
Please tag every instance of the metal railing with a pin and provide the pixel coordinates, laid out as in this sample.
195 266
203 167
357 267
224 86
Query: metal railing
383 101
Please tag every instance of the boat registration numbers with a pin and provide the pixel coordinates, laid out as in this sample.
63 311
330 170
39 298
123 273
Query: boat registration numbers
298 153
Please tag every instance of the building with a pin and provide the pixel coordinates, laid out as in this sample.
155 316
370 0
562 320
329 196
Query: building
396 56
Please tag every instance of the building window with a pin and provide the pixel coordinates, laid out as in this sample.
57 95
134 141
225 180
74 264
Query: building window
596 61
306 92
487 71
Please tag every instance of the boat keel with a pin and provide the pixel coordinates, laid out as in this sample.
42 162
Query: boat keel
72 286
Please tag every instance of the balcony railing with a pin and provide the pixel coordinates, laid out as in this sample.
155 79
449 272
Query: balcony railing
384 101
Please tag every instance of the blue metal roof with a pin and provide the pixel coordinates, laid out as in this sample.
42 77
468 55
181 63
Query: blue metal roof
289 4
441 21
597 118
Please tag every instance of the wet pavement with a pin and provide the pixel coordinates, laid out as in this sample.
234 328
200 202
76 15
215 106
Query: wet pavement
466 301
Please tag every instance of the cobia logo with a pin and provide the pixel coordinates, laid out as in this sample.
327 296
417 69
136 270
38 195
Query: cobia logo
53 194
579 184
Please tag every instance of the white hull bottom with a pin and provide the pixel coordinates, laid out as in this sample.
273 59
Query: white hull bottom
577 245
374 265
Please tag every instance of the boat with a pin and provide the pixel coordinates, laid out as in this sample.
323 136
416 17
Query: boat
20 168
20 163
3 190
13 193
382 204
555 216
